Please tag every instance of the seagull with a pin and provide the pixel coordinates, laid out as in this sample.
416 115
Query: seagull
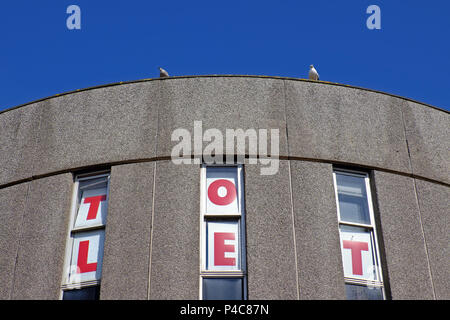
313 75
163 73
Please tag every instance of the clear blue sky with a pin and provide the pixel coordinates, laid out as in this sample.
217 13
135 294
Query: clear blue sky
128 40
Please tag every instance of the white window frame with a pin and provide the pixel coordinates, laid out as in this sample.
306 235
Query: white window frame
239 217
371 227
65 282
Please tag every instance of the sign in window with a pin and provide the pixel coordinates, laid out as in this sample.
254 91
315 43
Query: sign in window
223 246
223 273
359 248
84 256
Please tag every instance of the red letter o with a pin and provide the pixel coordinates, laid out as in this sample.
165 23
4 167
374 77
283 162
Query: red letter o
214 196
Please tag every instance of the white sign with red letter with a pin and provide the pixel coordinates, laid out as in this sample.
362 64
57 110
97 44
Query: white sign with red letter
223 246
93 208
222 192
87 256
357 255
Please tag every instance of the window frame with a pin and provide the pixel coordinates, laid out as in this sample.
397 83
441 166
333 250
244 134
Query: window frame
66 285
372 228
239 217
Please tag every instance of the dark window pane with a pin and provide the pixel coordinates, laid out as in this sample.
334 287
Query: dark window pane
89 293
222 289
355 292
352 197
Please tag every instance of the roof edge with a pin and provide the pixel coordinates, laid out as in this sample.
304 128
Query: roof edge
220 76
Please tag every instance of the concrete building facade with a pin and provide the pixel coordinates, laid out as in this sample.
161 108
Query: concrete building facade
152 237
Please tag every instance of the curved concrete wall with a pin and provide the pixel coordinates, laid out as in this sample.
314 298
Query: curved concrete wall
128 127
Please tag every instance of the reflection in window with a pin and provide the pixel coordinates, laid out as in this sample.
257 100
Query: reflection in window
88 293
222 289
352 197
357 292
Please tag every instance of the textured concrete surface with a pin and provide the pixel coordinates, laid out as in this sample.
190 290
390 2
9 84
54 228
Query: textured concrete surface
97 126
127 239
12 208
345 124
434 204
270 240
18 132
319 260
221 103
136 121
404 243
428 133
43 237
176 232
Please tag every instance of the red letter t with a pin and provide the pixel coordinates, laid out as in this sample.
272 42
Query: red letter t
356 248
94 204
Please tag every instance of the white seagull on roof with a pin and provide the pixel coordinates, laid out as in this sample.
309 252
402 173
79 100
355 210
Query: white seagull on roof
313 74
163 73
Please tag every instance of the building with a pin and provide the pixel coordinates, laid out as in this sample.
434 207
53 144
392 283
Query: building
358 207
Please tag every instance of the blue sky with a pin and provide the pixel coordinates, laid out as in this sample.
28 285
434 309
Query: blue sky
128 40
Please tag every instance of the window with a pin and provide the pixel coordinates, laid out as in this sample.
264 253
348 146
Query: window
360 254
222 288
223 264
84 250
